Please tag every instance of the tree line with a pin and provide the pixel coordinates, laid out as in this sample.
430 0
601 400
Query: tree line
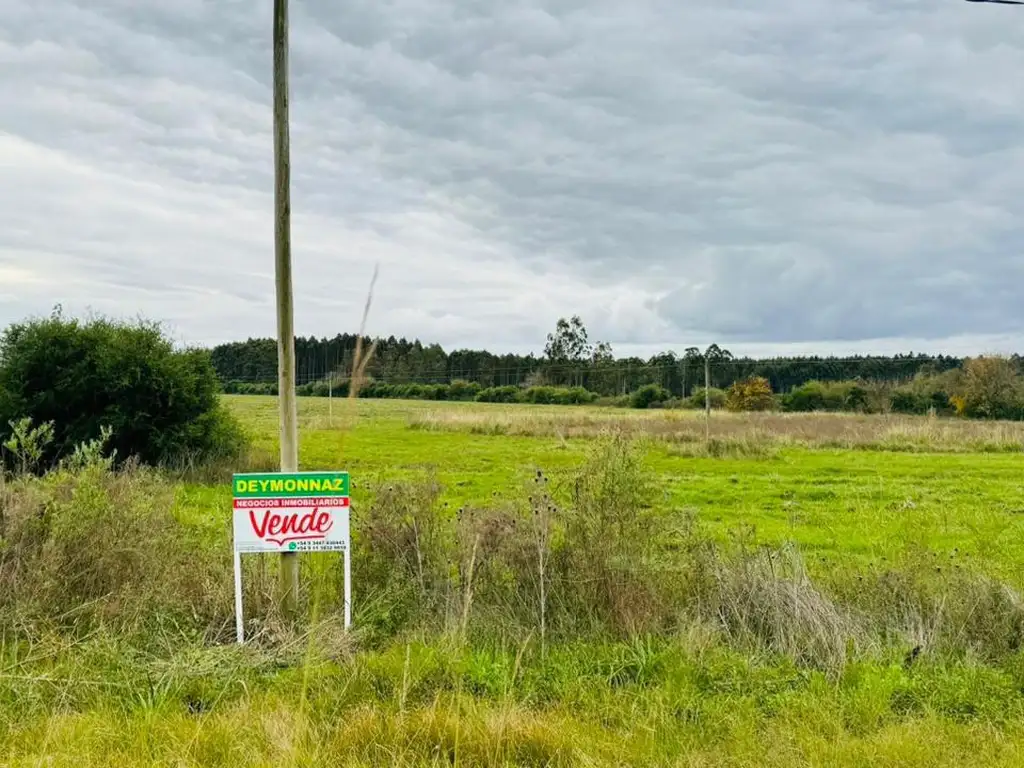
569 359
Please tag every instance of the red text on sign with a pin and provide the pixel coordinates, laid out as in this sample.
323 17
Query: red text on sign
280 528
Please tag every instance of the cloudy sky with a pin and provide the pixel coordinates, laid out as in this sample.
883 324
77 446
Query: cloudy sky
773 174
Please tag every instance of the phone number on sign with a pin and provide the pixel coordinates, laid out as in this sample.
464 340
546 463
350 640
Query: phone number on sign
318 546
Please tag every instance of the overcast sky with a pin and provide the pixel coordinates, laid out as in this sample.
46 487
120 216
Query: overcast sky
771 174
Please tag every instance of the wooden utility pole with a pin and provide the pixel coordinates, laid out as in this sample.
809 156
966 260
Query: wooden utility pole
283 274
707 395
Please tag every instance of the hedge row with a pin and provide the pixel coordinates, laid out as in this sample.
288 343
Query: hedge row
455 391
924 396
648 396
865 398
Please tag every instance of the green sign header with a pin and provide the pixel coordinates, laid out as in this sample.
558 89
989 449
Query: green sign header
278 485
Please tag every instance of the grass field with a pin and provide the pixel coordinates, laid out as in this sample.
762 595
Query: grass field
802 590
851 507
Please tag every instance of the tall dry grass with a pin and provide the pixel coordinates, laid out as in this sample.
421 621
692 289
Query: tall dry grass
751 432
102 548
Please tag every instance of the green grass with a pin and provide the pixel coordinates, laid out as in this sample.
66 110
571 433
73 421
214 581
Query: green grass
850 507
156 690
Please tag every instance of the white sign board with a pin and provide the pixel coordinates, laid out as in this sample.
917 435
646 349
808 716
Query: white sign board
291 525
291 512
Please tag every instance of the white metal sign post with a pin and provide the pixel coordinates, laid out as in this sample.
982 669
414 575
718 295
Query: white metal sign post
291 512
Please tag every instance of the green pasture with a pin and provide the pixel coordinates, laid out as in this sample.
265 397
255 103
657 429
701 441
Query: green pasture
843 508
165 695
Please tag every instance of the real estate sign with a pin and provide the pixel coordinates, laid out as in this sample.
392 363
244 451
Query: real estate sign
291 512
294 512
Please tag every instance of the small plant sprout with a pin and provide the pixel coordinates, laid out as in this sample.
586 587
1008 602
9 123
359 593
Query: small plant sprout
27 444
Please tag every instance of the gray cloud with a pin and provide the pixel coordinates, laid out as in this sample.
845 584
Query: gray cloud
761 174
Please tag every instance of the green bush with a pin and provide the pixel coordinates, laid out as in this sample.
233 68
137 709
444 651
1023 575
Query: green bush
251 388
807 397
927 391
826 396
542 395
576 396
857 398
507 394
463 390
717 396
648 395
161 405
323 388
556 396
906 401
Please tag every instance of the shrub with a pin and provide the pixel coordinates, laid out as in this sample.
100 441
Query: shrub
856 398
160 404
250 388
463 390
926 392
556 396
992 389
576 396
323 388
715 395
27 444
753 394
648 395
811 396
878 396
406 391
905 401
507 394
827 396
543 395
